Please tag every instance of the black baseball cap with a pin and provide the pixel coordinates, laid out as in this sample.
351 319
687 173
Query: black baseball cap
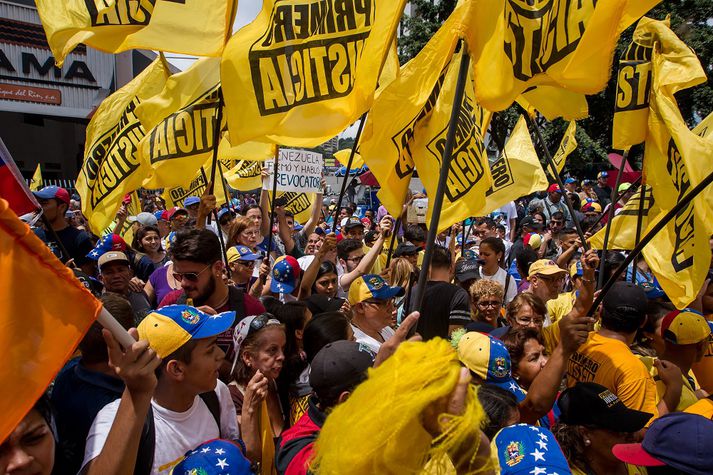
318 303
591 404
467 269
625 301
406 249
339 366
529 221
352 222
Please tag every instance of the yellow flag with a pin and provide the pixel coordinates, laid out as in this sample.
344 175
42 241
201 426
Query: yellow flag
553 102
392 67
343 157
387 140
675 161
567 44
567 146
36 182
469 174
175 196
251 151
180 124
111 167
623 226
133 207
516 173
299 204
198 27
705 127
301 72
245 175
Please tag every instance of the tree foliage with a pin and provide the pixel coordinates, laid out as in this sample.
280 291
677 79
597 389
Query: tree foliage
691 20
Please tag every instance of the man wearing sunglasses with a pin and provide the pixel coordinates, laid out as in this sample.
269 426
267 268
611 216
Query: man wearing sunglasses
372 301
198 266
242 262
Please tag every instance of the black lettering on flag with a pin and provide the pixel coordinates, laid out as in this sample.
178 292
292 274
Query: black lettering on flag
309 52
541 33
684 221
633 83
633 209
179 193
122 12
501 173
296 202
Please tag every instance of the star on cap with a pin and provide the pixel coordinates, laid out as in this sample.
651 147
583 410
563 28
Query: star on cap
542 444
222 464
538 455
219 451
535 429
205 450
513 387
94 253
538 471
542 436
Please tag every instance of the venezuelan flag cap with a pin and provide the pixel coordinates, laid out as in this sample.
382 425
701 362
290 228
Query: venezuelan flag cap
169 328
372 286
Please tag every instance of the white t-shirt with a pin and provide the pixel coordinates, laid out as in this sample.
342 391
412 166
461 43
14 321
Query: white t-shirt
510 212
500 276
176 432
374 345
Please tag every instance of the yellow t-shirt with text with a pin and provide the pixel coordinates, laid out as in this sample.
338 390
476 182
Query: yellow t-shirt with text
688 393
611 363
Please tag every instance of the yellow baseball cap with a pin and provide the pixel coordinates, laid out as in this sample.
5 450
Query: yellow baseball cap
685 327
372 286
545 267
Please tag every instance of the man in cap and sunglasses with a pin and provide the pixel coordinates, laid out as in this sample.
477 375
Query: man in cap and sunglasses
372 301
198 266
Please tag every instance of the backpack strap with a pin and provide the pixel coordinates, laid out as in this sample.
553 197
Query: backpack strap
236 301
210 399
147 446
507 286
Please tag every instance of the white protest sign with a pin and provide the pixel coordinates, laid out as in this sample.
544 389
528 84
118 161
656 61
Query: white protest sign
299 170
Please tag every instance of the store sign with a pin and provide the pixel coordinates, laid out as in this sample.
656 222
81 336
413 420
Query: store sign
40 95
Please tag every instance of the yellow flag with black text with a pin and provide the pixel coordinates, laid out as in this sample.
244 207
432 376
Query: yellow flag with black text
197 27
518 44
675 161
133 207
567 146
468 175
302 71
245 175
299 204
516 173
180 124
623 227
387 142
111 166
176 195
36 182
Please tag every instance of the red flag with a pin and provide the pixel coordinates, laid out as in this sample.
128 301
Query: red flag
13 187
616 160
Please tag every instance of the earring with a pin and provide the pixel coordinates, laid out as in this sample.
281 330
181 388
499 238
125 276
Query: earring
517 378
587 442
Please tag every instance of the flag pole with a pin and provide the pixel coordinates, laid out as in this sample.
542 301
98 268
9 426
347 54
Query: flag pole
683 202
553 167
610 218
214 213
225 187
639 223
272 203
395 232
119 333
349 166
443 176
618 197
216 142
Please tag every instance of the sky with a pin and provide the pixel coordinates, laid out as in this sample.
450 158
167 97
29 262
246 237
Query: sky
247 11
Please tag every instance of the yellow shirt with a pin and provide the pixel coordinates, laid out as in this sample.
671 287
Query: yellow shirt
704 368
688 393
704 407
561 306
611 363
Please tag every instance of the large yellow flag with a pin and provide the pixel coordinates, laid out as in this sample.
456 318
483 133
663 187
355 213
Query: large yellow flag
623 227
175 196
199 27
675 161
111 167
302 71
468 174
245 175
387 140
36 182
553 102
518 44
567 146
516 173
299 204
180 124
343 157
45 313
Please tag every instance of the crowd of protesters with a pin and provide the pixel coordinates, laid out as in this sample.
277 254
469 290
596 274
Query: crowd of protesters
297 350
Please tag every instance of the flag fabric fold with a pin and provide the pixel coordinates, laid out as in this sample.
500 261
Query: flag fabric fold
567 146
12 185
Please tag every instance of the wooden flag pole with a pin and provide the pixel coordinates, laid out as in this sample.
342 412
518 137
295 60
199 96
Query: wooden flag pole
614 193
639 223
648 237
214 213
394 233
216 143
343 189
437 204
618 197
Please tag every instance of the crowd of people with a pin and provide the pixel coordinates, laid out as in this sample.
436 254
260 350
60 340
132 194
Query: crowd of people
298 350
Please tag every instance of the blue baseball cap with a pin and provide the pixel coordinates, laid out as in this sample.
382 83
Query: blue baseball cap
160 215
214 457
223 212
570 180
53 191
523 449
603 175
372 286
169 328
241 253
285 273
297 226
190 201
468 240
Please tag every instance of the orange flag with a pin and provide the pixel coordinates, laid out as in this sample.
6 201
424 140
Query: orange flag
44 313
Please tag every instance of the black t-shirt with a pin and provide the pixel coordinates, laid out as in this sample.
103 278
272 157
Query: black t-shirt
77 243
444 304
603 194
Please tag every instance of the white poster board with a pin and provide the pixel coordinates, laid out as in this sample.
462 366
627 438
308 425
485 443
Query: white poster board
299 170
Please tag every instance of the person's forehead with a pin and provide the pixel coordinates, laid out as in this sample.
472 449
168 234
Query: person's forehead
187 266
356 253
114 267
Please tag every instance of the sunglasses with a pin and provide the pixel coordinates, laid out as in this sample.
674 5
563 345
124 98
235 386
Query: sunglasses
246 263
190 276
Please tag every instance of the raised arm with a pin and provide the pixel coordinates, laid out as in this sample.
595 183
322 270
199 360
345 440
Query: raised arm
368 261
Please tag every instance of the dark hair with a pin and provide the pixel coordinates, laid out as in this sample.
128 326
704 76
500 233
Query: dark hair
324 328
499 405
571 442
370 237
272 304
487 220
615 323
140 234
325 268
182 354
249 207
292 316
346 246
441 258
656 311
515 340
524 259
196 245
542 215
414 233
496 244
557 215
93 346
500 228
